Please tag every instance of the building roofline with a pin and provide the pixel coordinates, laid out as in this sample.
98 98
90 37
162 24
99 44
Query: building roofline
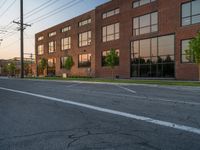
72 19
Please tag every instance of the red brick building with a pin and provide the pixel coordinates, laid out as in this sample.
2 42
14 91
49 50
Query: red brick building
150 37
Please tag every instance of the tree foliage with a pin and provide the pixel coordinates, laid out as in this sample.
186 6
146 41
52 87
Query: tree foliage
112 59
43 64
193 53
11 67
68 63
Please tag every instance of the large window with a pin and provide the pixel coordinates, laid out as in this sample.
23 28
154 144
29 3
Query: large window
85 22
104 55
153 57
52 47
62 62
184 47
191 12
84 60
85 39
111 32
110 13
145 24
65 43
40 49
138 3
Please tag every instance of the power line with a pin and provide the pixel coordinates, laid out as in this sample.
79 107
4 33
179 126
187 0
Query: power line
10 44
8 8
38 9
9 35
55 11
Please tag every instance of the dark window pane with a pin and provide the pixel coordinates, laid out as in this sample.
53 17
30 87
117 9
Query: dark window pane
136 23
145 48
195 7
186 10
166 45
135 70
145 30
185 46
145 20
143 2
144 70
154 28
196 19
186 21
154 47
154 18
136 4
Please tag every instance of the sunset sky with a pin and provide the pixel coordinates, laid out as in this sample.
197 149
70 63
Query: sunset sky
9 11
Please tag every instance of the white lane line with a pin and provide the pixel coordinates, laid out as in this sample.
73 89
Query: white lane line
126 89
114 112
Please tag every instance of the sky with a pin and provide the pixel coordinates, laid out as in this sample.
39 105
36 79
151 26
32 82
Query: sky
10 10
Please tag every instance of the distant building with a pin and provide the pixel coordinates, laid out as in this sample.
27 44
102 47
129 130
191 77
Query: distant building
150 37
30 68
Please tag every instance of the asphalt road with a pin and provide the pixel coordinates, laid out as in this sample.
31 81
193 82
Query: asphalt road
48 115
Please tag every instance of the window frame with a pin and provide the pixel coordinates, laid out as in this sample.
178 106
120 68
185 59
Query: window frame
54 63
85 22
51 34
150 26
107 52
190 16
114 13
54 47
66 29
89 39
181 52
69 42
40 38
139 1
38 49
114 34
81 63
152 56
61 61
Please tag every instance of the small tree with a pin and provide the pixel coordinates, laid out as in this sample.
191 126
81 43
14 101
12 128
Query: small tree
11 68
112 60
193 53
43 64
68 63
26 68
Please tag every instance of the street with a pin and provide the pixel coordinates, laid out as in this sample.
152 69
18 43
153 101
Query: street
50 115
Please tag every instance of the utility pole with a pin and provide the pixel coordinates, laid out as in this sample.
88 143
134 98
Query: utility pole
21 23
22 37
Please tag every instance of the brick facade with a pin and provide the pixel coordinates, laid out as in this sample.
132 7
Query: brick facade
169 22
